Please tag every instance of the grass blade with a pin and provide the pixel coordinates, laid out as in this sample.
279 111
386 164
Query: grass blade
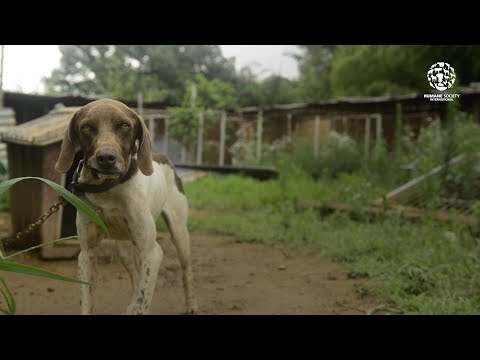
9 299
3 257
33 271
67 195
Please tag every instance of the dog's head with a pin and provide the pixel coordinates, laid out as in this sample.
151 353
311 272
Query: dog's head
106 131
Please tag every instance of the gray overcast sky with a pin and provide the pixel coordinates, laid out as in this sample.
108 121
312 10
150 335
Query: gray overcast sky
25 65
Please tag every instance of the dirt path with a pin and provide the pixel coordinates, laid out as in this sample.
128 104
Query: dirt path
231 278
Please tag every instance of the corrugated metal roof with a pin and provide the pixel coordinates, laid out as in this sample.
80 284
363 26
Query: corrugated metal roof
344 100
354 100
43 131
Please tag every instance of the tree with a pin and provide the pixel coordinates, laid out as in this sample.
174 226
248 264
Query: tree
314 65
211 95
248 87
397 69
277 90
274 89
158 71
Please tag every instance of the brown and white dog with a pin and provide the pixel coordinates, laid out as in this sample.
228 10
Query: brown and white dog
129 188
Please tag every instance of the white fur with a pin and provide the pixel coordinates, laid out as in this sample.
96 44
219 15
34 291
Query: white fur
130 210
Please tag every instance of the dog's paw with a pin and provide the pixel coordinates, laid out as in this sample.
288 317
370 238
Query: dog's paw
192 310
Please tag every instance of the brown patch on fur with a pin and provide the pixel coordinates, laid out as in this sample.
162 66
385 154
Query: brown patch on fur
164 160
179 184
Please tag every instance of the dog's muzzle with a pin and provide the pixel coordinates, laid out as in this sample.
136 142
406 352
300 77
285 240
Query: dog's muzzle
107 164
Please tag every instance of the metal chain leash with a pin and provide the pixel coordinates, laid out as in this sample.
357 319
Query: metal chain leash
53 209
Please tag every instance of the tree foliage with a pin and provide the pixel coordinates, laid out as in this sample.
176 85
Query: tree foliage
161 73
397 69
277 90
314 65
121 71
210 95
329 71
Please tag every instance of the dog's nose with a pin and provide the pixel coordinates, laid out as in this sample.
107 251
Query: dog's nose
106 158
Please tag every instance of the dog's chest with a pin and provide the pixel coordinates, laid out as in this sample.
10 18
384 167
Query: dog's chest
115 217
117 222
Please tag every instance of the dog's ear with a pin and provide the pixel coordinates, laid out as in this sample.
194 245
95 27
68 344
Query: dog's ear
144 157
69 144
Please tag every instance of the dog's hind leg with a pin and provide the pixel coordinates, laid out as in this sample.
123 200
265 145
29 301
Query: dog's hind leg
175 216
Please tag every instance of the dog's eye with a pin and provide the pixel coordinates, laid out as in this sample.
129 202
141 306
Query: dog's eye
125 126
86 127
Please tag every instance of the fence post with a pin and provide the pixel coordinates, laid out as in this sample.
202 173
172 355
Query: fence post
289 126
200 138
221 150
367 136
259 134
379 128
151 128
316 136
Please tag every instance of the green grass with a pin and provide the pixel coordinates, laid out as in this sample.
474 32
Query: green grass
237 193
424 268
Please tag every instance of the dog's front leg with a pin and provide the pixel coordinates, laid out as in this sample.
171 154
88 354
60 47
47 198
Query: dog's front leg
150 255
89 237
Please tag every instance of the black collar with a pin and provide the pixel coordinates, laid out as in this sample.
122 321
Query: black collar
75 186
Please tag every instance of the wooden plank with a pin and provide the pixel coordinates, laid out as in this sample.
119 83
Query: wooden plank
289 125
51 229
379 128
411 213
151 128
259 134
367 137
140 104
193 95
221 148
398 121
201 121
316 136
408 188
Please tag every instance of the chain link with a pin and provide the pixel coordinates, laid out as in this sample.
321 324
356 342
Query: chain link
53 209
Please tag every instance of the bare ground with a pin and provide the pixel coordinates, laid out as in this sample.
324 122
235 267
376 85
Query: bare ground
230 278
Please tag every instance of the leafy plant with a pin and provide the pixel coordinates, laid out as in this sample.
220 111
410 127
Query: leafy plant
33 271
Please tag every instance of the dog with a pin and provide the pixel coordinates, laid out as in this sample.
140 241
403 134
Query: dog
129 188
